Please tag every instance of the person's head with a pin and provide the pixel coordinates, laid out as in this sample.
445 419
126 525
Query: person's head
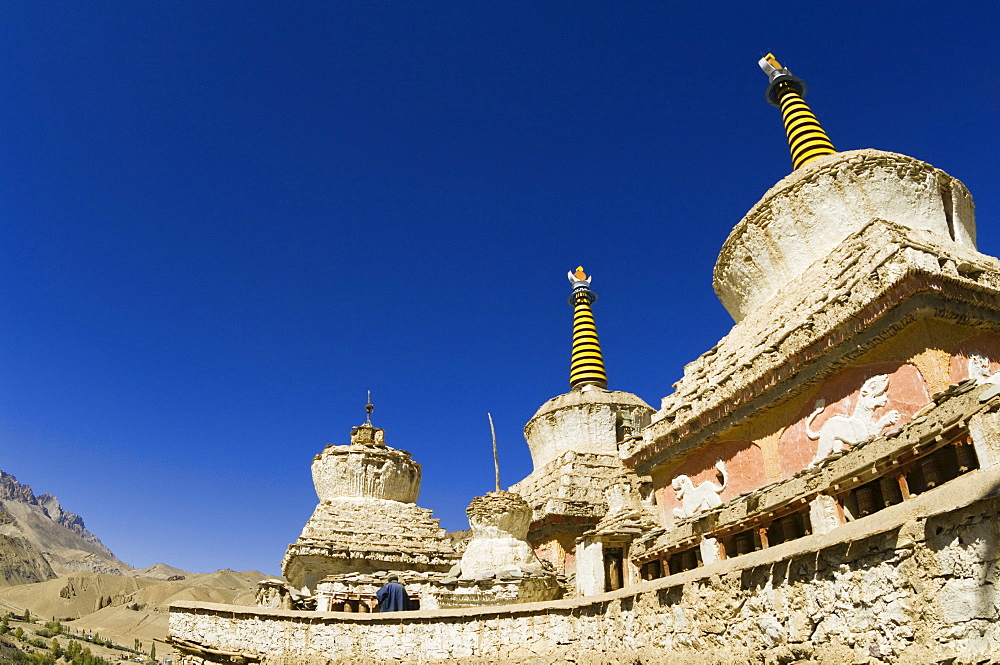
394 578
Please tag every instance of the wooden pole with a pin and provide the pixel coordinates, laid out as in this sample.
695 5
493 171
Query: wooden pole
496 460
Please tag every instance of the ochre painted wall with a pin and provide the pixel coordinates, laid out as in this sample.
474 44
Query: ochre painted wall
922 359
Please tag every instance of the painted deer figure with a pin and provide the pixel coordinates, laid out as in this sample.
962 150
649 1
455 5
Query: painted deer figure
840 431
703 497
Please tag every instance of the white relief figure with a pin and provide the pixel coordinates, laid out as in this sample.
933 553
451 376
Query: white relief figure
703 497
979 369
840 431
381 476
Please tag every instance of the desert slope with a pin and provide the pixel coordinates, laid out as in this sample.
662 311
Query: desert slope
125 608
159 571
60 536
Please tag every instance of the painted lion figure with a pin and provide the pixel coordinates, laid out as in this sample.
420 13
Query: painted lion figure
840 430
703 497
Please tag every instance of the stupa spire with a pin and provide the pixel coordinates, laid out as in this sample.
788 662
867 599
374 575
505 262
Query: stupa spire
586 365
806 138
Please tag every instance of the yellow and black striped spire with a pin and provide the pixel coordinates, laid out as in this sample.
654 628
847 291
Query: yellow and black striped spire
806 138
586 367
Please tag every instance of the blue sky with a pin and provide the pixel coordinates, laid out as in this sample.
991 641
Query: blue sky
224 222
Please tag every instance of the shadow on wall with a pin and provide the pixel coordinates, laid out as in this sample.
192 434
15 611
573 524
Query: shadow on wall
967 546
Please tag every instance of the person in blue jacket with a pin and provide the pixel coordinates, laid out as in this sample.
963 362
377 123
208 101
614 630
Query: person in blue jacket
392 597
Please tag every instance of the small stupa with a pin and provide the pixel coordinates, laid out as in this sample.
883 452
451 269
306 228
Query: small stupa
574 440
498 566
367 521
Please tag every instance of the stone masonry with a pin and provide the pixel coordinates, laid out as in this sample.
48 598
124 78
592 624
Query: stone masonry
498 566
913 584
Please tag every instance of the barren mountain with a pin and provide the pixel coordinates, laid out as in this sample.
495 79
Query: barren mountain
59 535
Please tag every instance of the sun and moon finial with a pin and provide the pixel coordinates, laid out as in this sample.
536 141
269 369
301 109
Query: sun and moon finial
579 278
369 407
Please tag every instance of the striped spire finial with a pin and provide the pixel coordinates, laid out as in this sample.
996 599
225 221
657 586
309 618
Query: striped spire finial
586 365
806 138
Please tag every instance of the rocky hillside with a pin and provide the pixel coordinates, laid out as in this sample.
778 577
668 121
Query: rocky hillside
21 562
35 525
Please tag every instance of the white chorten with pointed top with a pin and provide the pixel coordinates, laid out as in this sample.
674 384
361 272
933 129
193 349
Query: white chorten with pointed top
367 518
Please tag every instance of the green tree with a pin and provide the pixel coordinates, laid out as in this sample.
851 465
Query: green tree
57 650
27 617
19 633
4 626
152 652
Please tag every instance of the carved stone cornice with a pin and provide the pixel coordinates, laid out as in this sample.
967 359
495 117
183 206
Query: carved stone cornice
880 279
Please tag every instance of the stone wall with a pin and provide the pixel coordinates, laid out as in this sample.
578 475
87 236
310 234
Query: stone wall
914 583
571 484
